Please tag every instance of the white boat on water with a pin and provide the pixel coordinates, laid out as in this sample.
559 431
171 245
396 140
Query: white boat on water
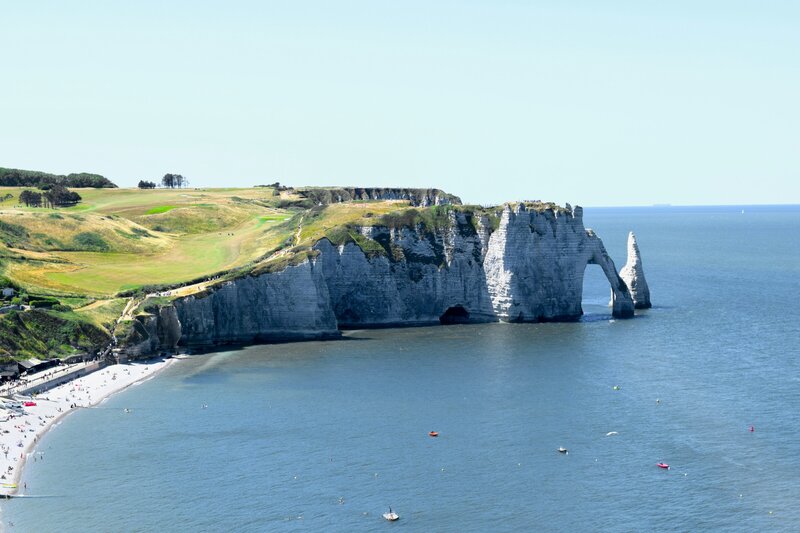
391 516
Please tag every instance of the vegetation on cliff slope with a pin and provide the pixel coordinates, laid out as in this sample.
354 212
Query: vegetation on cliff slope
48 333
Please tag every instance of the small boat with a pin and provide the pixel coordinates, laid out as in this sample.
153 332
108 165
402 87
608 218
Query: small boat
563 450
665 466
391 516
433 434
30 404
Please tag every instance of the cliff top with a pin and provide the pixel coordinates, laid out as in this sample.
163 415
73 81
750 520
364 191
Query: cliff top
415 197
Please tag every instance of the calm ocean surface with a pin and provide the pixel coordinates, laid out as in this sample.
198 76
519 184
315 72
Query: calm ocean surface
325 436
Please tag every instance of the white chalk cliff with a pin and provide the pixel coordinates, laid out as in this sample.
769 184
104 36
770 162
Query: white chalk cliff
633 275
516 265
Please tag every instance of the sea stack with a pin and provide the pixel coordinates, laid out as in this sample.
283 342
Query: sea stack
633 276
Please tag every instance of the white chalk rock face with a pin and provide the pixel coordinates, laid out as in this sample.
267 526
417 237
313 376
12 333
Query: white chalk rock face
633 275
425 277
292 304
535 264
515 264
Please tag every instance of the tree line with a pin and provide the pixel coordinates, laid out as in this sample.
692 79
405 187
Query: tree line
55 196
169 181
14 177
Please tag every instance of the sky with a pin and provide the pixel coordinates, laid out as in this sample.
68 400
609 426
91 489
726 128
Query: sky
596 103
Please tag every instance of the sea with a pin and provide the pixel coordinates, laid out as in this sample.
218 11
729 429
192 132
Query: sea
327 436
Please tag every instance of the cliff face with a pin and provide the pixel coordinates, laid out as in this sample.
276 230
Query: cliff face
291 304
155 332
423 274
535 265
521 266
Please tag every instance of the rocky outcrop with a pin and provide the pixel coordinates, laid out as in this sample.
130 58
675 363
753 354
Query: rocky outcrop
535 265
518 263
633 275
416 197
154 332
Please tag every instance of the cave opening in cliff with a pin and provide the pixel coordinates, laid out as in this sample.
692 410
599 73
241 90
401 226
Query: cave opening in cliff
348 317
455 315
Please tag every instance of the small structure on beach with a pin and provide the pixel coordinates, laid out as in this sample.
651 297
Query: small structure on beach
33 365
9 371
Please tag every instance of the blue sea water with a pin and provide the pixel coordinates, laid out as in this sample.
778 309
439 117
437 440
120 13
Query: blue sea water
325 436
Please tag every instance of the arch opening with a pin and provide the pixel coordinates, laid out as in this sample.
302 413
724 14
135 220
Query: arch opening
455 315
595 290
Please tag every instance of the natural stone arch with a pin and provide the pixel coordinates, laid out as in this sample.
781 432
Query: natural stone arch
621 301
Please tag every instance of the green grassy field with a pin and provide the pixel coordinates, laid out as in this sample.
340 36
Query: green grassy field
121 239
118 240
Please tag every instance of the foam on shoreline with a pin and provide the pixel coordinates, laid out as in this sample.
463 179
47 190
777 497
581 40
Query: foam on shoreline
21 428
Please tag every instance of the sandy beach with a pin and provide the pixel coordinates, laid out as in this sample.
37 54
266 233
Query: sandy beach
21 425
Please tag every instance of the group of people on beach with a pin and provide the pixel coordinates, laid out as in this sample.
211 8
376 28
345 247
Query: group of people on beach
24 417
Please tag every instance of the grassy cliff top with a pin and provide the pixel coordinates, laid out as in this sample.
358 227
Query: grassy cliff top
118 241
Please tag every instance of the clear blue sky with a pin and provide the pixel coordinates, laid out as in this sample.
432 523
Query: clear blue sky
589 102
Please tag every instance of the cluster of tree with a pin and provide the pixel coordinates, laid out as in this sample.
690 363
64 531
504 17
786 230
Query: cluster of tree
277 186
13 177
174 180
169 181
54 196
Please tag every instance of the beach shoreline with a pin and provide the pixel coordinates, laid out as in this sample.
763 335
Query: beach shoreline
22 428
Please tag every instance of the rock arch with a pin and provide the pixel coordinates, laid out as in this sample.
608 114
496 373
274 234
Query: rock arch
621 300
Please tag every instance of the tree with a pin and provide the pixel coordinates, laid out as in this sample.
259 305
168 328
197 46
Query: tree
60 196
55 196
143 184
30 198
173 180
